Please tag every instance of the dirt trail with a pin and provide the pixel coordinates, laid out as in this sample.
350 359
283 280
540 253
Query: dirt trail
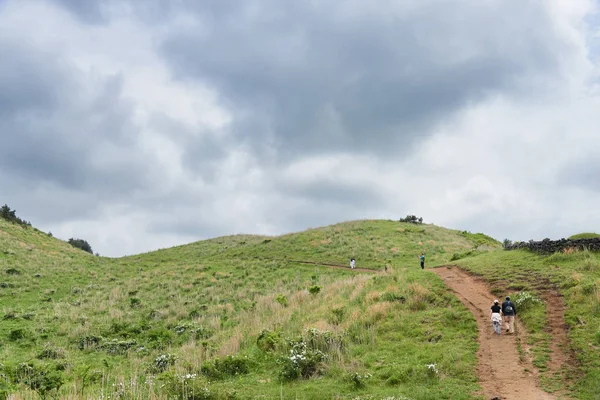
501 373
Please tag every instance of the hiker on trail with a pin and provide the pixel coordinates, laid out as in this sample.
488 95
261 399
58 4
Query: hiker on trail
352 263
422 258
509 311
496 317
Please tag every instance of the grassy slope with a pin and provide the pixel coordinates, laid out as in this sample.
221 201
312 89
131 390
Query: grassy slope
577 277
101 323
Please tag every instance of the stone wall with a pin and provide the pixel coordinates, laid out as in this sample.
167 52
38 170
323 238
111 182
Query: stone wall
552 246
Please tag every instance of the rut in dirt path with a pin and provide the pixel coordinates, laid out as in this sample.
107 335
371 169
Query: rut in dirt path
502 374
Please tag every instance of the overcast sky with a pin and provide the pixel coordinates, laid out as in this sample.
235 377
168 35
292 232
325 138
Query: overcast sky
142 124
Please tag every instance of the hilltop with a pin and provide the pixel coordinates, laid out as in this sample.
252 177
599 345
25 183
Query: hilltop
249 316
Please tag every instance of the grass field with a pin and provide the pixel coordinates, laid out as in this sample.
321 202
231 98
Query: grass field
239 317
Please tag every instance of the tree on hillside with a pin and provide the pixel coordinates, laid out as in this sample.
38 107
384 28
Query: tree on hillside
81 244
413 219
11 216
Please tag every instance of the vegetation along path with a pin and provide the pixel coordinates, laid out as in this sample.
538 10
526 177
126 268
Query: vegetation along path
502 374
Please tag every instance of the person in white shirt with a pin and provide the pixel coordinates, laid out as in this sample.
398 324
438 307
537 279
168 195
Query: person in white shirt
352 263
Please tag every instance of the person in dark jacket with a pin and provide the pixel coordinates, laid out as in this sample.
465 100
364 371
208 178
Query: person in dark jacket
509 311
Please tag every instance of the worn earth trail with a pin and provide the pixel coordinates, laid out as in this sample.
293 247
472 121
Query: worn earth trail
502 374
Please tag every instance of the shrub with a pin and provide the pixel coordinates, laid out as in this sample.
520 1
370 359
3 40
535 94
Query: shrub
41 378
268 340
49 353
81 244
89 342
314 289
282 299
162 363
227 366
358 380
10 315
413 219
303 362
159 338
13 271
185 387
11 216
17 334
134 302
392 297
117 347
460 255
337 315
507 243
525 300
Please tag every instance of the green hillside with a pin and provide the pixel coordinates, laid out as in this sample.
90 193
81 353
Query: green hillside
238 317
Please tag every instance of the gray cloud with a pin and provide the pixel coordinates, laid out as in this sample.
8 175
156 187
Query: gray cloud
92 12
303 78
60 129
94 143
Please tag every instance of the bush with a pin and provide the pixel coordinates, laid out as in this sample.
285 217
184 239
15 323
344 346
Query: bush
117 347
41 378
49 353
13 271
159 338
303 362
282 299
185 387
81 244
458 255
17 334
413 219
11 216
227 366
507 243
525 300
358 380
268 340
314 290
162 363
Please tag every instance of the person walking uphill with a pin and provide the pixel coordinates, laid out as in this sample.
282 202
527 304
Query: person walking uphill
496 317
422 258
509 311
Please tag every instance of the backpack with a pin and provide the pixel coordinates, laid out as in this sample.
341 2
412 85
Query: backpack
508 308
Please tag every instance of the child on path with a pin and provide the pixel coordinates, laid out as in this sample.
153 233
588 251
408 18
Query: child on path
422 258
496 317
352 263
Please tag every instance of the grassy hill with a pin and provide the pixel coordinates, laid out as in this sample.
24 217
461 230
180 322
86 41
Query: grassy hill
238 317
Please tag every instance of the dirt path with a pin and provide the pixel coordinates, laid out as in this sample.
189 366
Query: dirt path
501 373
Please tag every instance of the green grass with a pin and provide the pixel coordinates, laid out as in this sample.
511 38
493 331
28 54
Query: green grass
135 327
585 235
576 275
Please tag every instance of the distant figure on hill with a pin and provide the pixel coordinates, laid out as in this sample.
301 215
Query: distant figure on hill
352 263
509 311
496 317
422 258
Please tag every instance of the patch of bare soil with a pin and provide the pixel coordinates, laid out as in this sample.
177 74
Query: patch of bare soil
503 375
